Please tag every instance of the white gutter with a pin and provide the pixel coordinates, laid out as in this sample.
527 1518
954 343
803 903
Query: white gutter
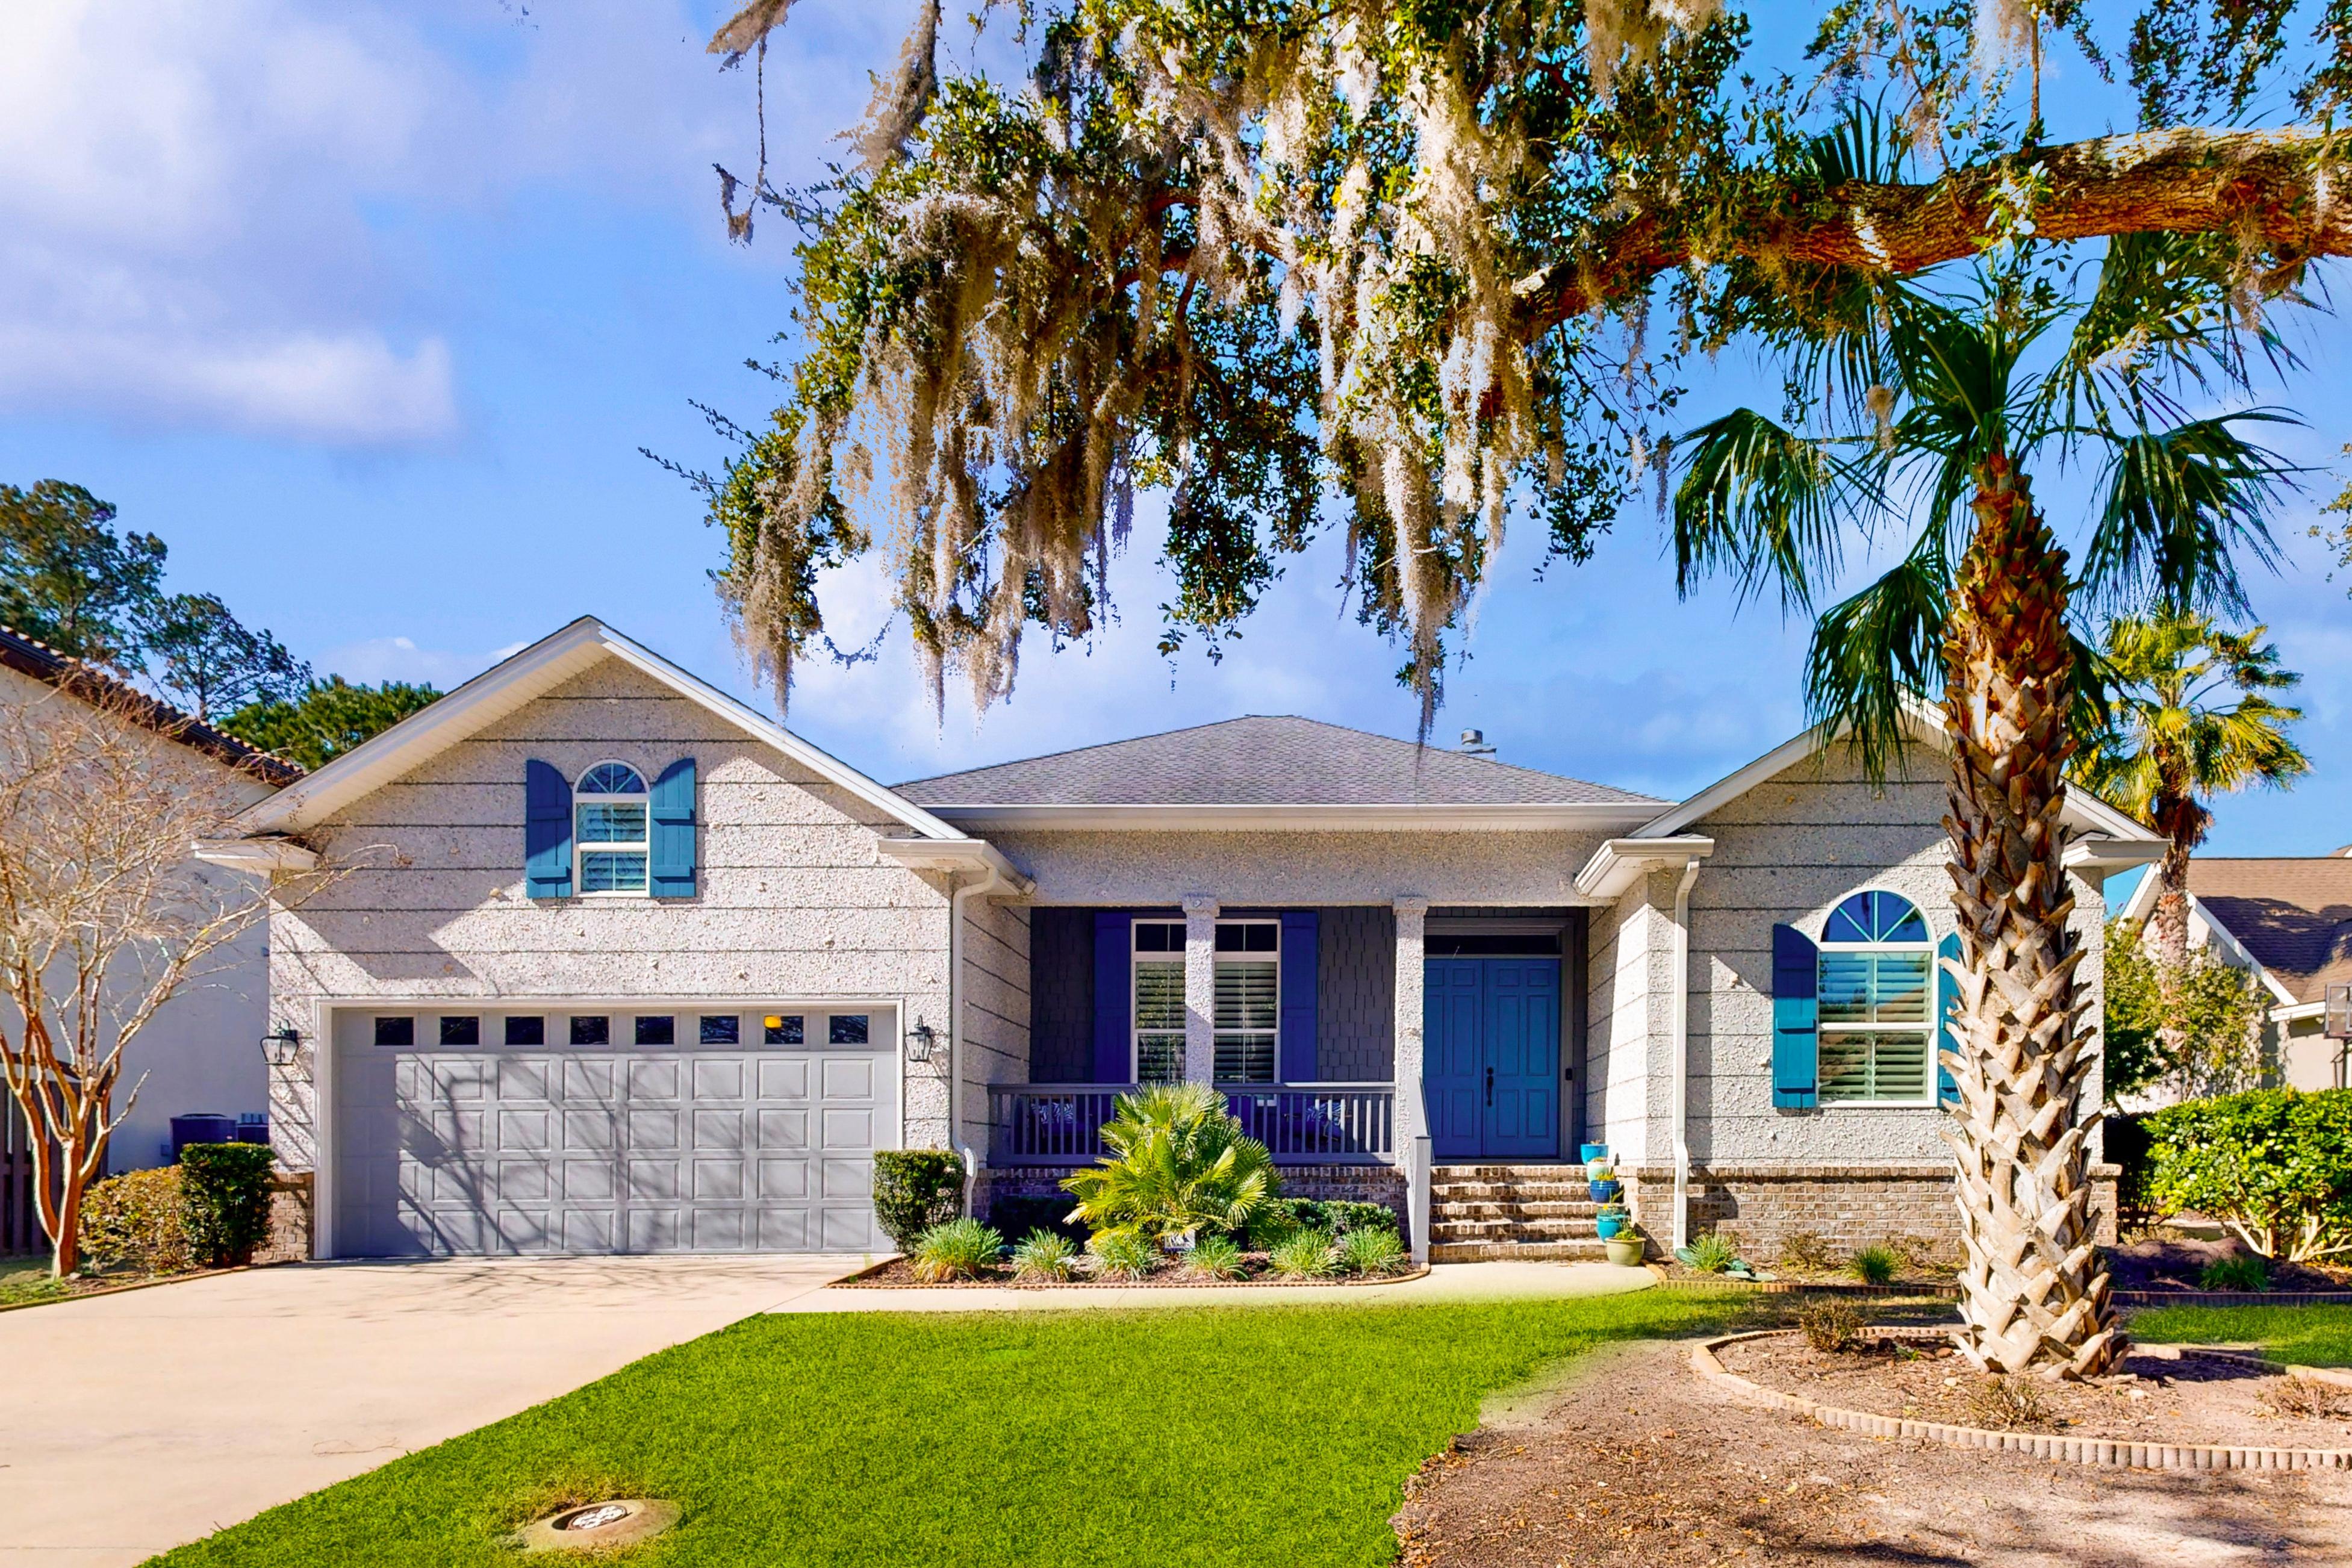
1681 1032
998 876
261 856
1568 817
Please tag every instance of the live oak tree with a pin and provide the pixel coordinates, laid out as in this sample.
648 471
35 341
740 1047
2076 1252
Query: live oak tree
1443 263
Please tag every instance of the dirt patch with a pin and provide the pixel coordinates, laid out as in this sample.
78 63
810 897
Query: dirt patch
2161 1396
1637 1462
2178 1263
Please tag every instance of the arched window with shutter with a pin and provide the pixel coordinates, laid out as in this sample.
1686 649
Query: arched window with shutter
610 829
1877 969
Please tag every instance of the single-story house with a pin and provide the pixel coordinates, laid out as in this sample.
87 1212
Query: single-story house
201 1052
622 964
2287 920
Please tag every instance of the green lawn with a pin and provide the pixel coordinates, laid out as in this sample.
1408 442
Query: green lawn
26 1279
2308 1336
1210 1436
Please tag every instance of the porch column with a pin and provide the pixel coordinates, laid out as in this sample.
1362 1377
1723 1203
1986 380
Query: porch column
1411 919
1199 988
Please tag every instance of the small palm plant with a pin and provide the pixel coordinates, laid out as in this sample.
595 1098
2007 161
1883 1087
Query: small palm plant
1179 1164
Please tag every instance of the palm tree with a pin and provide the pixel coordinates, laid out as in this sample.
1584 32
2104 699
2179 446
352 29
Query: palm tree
1931 402
2171 743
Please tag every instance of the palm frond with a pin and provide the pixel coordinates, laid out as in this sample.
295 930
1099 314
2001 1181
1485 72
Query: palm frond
1762 505
2176 505
1875 654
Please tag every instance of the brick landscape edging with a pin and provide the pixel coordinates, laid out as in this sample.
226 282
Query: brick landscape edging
2066 1450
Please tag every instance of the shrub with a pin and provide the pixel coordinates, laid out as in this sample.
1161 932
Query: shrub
1306 1255
2007 1403
1373 1250
1021 1216
1711 1252
1830 1327
2274 1165
1122 1254
1873 1265
1180 1164
1281 1218
914 1190
1214 1258
137 1221
1805 1252
959 1249
226 1189
2236 1274
1044 1256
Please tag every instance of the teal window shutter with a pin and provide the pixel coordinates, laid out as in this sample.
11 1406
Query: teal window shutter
1948 1002
1796 1019
672 800
547 831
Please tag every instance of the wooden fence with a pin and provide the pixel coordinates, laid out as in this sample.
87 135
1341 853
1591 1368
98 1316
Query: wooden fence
20 1225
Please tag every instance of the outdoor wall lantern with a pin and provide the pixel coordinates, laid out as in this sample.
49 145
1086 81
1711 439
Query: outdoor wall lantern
919 1041
283 1049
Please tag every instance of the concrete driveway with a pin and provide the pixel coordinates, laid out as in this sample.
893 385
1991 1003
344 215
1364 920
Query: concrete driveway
130 1424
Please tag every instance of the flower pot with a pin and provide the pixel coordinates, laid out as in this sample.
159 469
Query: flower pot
1603 1192
1625 1251
1588 1152
1600 1171
1609 1224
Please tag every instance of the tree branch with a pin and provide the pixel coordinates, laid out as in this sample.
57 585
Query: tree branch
2271 188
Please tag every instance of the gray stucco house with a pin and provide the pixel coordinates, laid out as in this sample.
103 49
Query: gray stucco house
622 964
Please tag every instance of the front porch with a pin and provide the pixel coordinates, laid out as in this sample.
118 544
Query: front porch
1060 1125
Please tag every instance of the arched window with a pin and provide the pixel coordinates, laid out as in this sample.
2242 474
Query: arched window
1877 970
608 821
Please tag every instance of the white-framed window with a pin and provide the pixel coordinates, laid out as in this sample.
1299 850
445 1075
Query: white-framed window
1249 1000
609 817
1159 998
1877 1022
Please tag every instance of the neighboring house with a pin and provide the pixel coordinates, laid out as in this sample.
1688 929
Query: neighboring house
620 964
2287 920
201 1052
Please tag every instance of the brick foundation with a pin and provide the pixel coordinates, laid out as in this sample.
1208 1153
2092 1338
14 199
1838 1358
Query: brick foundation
1759 1208
289 1219
1351 1184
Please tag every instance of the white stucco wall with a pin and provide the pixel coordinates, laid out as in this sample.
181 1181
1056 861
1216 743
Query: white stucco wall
795 902
1630 972
1246 870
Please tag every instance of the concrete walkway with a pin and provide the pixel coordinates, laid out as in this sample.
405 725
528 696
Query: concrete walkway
1445 1282
130 1424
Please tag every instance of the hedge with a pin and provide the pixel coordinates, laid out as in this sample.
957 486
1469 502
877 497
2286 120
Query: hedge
915 1189
227 1190
2274 1165
137 1221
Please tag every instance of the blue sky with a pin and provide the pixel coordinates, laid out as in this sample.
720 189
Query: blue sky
368 309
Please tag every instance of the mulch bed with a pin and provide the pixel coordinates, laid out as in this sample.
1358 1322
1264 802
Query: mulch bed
2159 1396
1637 1462
897 1274
2169 1264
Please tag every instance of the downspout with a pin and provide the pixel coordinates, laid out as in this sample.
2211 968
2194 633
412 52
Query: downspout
1681 1045
991 882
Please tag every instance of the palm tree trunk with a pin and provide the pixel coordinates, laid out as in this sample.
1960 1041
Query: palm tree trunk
2034 1290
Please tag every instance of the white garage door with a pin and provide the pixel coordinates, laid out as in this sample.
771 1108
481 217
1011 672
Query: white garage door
610 1130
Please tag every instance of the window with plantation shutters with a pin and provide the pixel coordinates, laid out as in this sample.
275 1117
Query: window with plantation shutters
1249 1000
1158 1001
1876 975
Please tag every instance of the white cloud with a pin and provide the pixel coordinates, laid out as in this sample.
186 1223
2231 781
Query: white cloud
399 659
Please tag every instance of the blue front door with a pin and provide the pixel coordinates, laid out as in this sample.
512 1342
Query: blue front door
1490 1058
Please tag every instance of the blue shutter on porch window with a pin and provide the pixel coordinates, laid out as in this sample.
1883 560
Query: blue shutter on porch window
1299 937
546 831
672 809
1948 1000
1796 1018
1114 1011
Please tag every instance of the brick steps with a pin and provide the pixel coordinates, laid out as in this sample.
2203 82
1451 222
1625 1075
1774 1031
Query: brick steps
1530 1213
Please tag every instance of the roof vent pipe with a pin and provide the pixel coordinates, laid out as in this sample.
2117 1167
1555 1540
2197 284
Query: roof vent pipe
1473 742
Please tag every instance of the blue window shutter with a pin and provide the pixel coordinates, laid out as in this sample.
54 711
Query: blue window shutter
671 804
1114 1010
1948 1000
547 831
1296 1053
1796 1018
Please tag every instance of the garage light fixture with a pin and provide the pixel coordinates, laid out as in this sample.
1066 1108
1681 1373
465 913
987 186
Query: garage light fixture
919 1041
283 1049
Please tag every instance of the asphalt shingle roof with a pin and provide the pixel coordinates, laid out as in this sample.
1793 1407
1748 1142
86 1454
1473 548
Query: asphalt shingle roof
2294 915
1261 760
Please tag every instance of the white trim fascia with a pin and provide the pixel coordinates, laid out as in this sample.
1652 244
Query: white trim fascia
957 855
261 856
1616 865
2291 1011
2106 852
1553 817
2142 902
505 687
2083 812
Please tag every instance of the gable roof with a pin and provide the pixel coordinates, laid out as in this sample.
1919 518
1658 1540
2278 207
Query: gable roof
2291 915
509 685
30 657
1288 768
2105 835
